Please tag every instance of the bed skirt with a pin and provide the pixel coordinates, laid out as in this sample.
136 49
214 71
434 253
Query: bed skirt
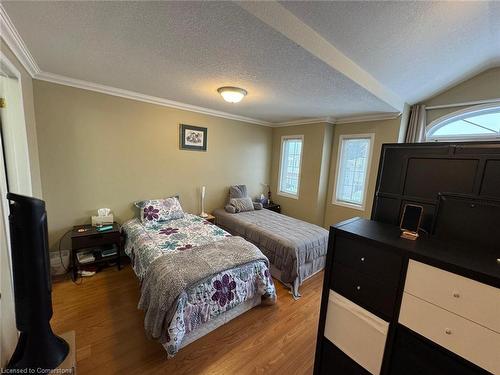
220 320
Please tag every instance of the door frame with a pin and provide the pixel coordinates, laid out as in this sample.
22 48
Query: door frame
9 338
11 71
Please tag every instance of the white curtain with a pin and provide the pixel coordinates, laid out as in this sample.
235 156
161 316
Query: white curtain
416 124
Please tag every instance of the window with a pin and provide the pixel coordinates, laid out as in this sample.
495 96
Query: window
353 165
291 158
475 123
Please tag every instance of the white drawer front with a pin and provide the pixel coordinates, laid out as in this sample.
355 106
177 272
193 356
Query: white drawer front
357 332
469 340
468 298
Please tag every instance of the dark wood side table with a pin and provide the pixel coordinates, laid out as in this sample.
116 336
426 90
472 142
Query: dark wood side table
210 218
91 240
273 207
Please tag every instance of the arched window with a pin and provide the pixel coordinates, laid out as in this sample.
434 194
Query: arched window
470 124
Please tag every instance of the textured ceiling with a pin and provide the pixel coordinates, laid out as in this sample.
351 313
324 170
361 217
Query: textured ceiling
184 51
414 48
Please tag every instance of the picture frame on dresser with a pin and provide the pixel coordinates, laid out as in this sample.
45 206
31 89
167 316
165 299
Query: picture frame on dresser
410 221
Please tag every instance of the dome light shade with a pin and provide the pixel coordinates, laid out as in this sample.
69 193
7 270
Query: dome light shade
232 94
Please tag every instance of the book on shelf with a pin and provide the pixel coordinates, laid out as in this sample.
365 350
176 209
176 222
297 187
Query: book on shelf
85 257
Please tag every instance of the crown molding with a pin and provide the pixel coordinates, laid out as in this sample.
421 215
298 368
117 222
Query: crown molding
16 43
342 120
127 94
328 119
366 118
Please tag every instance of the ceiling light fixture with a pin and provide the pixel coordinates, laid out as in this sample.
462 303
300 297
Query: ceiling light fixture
232 94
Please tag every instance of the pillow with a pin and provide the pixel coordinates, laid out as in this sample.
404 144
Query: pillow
157 210
230 209
242 204
258 206
141 204
238 191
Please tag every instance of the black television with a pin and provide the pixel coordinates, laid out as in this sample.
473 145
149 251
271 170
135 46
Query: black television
38 347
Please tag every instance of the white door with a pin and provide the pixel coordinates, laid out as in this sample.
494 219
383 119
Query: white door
15 139
8 331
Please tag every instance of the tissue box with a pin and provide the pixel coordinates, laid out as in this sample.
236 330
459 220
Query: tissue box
102 220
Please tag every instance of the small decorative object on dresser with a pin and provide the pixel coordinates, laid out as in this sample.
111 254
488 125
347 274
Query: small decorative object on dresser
410 221
91 246
273 207
192 138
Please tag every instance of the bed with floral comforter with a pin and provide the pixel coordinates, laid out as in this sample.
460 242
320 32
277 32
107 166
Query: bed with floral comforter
211 297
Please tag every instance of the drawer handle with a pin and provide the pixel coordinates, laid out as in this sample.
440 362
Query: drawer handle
456 294
358 287
362 259
447 331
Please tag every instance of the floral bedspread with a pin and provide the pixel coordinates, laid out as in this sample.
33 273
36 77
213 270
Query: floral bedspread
145 243
212 296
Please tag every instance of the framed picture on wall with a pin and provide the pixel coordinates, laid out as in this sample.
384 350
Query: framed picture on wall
192 138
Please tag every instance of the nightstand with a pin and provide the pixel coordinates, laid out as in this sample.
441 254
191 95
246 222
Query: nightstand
273 207
94 243
210 218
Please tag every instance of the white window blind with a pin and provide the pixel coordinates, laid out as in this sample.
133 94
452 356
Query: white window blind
291 156
353 165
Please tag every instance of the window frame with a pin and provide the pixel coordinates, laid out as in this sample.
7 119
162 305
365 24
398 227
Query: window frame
335 201
459 115
283 139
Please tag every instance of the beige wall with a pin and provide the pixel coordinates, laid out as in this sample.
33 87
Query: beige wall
29 116
386 131
310 206
98 150
485 85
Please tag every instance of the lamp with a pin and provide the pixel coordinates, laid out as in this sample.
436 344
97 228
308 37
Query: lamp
232 94
203 213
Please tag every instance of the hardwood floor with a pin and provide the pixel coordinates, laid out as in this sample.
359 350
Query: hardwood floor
110 335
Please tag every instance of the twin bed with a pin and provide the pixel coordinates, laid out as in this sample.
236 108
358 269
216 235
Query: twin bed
296 250
196 276
214 294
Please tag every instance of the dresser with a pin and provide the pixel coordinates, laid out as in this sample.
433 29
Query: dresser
395 306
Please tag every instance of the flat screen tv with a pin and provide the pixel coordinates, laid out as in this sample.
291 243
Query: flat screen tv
38 347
